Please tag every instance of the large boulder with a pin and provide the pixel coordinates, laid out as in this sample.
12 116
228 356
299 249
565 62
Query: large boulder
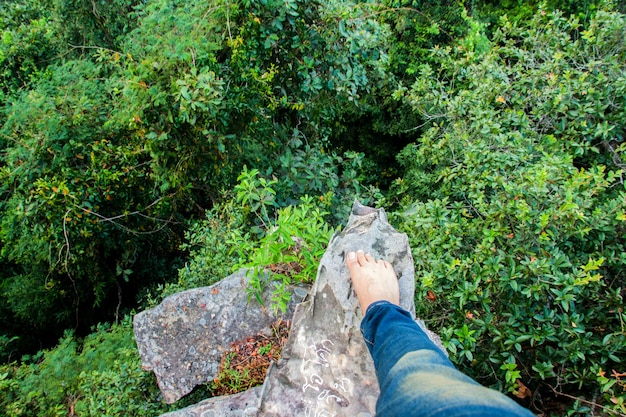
182 339
326 369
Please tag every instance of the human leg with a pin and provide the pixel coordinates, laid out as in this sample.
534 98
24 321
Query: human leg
415 377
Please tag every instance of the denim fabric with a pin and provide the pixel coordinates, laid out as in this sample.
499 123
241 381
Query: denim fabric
415 376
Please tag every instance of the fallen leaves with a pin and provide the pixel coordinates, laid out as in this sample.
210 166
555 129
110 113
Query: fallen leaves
247 361
286 268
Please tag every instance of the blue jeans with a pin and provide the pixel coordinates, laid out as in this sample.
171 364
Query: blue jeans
415 376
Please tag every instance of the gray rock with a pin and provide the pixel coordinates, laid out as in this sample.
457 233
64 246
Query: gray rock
182 339
326 369
243 404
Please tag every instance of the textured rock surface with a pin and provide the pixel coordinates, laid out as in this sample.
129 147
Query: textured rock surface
244 404
326 369
183 338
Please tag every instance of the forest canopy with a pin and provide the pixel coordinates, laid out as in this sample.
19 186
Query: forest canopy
148 147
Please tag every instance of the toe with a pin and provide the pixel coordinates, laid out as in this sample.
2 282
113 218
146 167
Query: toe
361 257
351 259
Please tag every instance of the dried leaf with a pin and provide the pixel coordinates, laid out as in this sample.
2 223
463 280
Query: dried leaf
523 391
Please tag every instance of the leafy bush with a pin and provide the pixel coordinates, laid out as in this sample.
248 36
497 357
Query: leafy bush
100 375
291 249
312 170
27 42
83 24
39 33
105 159
515 205
280 244
418 26
211 254
77 210
518 11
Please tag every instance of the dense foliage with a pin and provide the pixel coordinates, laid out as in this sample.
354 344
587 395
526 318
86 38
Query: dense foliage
150 147
515 204
101 376
106 158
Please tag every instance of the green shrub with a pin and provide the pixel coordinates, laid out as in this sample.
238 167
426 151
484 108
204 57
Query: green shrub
98 376
290 251
123 388
515 205
211 254
35 34
77 207
105 159
254 229
417 27
519 11
27 44
281 244
83 24
306 169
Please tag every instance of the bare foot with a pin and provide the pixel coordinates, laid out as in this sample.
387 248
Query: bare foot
373 280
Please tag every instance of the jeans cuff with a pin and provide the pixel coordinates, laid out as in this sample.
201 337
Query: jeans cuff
374 305
370 321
